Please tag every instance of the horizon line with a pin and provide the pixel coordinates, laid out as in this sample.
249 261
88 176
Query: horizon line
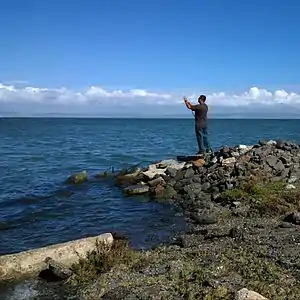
146 118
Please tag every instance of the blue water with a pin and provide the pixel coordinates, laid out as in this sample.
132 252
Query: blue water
37 155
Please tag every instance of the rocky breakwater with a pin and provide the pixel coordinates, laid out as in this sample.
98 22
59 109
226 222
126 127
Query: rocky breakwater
200 185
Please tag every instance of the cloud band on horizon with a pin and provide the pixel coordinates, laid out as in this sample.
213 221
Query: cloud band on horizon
62 98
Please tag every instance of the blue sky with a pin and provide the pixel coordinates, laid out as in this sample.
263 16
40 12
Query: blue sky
222 48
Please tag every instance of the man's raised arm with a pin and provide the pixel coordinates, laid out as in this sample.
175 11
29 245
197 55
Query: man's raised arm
188 103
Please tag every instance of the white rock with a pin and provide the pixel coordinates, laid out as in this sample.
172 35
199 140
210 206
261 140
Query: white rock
235 154
214 160
161 167
170 163
293 179
290 187
228 161
153 172
271 142
244 148
245 294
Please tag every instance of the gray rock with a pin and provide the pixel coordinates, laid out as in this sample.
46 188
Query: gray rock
171 172
204 219
228 185
275 163
189 173
194 188
206 186
215 196
55 271
156 181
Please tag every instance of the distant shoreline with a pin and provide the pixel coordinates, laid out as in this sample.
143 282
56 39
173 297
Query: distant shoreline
144 118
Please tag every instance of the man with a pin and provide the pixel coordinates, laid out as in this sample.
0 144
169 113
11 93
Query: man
200 110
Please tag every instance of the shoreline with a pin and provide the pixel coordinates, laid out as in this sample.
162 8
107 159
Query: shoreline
243 211
242 206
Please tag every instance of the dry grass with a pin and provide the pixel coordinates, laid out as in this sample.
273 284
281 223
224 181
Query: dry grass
102 260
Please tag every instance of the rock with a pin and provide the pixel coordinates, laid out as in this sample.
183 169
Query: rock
156 181
171 163
275 163
162 192
292 179
206 186
199 163
77 178
161 168
189 173
245 294
271 143
204 219
31 262
262 142
215 196
228 161
153 171
193 188
130 178
228 185
136 189
293 218
235 154
55 271
236 204
290 187
214 160
244 148
171 172
169 192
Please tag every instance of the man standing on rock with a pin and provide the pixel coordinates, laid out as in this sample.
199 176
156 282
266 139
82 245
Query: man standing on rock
200 110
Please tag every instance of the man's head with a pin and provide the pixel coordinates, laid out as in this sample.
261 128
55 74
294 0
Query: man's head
202 99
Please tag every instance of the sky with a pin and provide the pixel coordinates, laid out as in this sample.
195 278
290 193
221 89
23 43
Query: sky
133 58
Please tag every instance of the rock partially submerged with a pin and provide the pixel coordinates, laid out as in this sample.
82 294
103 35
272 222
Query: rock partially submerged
77 178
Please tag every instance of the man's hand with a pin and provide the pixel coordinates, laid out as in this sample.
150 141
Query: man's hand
187 103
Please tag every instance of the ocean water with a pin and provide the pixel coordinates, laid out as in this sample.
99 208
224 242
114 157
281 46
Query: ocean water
37 155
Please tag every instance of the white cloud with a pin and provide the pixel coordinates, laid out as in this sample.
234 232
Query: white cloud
94 95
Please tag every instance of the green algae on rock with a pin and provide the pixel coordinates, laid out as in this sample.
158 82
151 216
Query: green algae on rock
77 178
